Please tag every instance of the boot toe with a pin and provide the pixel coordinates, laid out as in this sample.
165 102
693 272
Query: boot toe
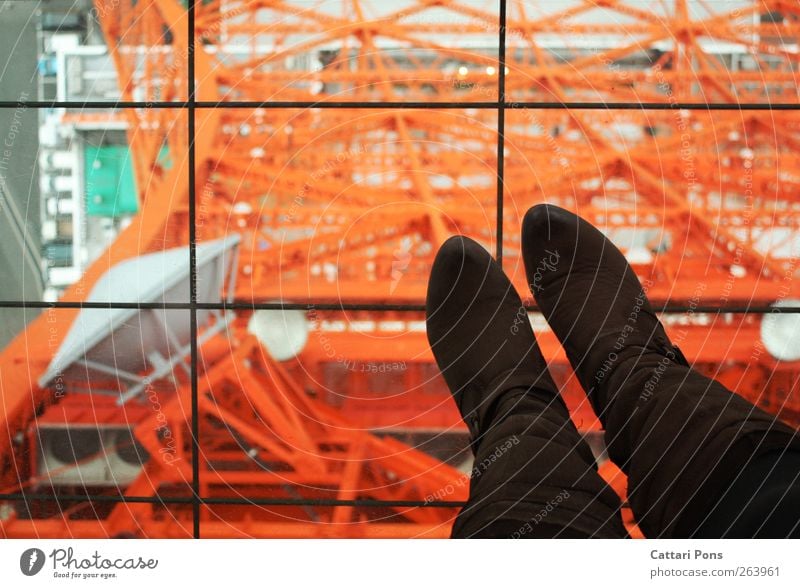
545 222
460 268
460 252
479 332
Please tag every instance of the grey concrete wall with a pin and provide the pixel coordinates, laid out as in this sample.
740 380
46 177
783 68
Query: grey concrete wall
19 180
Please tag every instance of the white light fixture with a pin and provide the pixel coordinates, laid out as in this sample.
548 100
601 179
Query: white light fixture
283 332
463 70
490 70
780 332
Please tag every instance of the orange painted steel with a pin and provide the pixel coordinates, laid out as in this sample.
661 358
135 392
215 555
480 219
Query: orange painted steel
350 204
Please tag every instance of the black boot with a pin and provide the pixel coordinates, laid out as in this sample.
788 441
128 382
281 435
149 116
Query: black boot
681 438
480 334
592 300
534 475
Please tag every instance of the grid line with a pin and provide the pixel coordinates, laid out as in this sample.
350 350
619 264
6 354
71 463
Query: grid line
353 306
501 130
192 89
414 105
200 500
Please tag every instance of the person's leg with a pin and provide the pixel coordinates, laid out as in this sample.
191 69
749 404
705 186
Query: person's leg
681 438
761 502
533 476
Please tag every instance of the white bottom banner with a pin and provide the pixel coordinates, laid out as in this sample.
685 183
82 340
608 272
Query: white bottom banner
397 563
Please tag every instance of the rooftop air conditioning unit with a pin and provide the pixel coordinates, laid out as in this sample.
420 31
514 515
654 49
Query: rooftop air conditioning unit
89 456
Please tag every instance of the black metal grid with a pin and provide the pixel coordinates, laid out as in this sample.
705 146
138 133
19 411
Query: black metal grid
191 105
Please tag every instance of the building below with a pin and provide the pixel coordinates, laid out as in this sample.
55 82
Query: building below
20 224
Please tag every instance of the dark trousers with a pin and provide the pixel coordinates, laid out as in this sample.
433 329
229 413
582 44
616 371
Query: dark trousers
700 460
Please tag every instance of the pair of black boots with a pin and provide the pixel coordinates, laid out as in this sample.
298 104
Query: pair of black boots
701 461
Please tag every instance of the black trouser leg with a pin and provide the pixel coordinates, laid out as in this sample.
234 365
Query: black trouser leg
535 477
693 450
762 502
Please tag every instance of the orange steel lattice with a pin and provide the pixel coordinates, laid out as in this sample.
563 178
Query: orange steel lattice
344 141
